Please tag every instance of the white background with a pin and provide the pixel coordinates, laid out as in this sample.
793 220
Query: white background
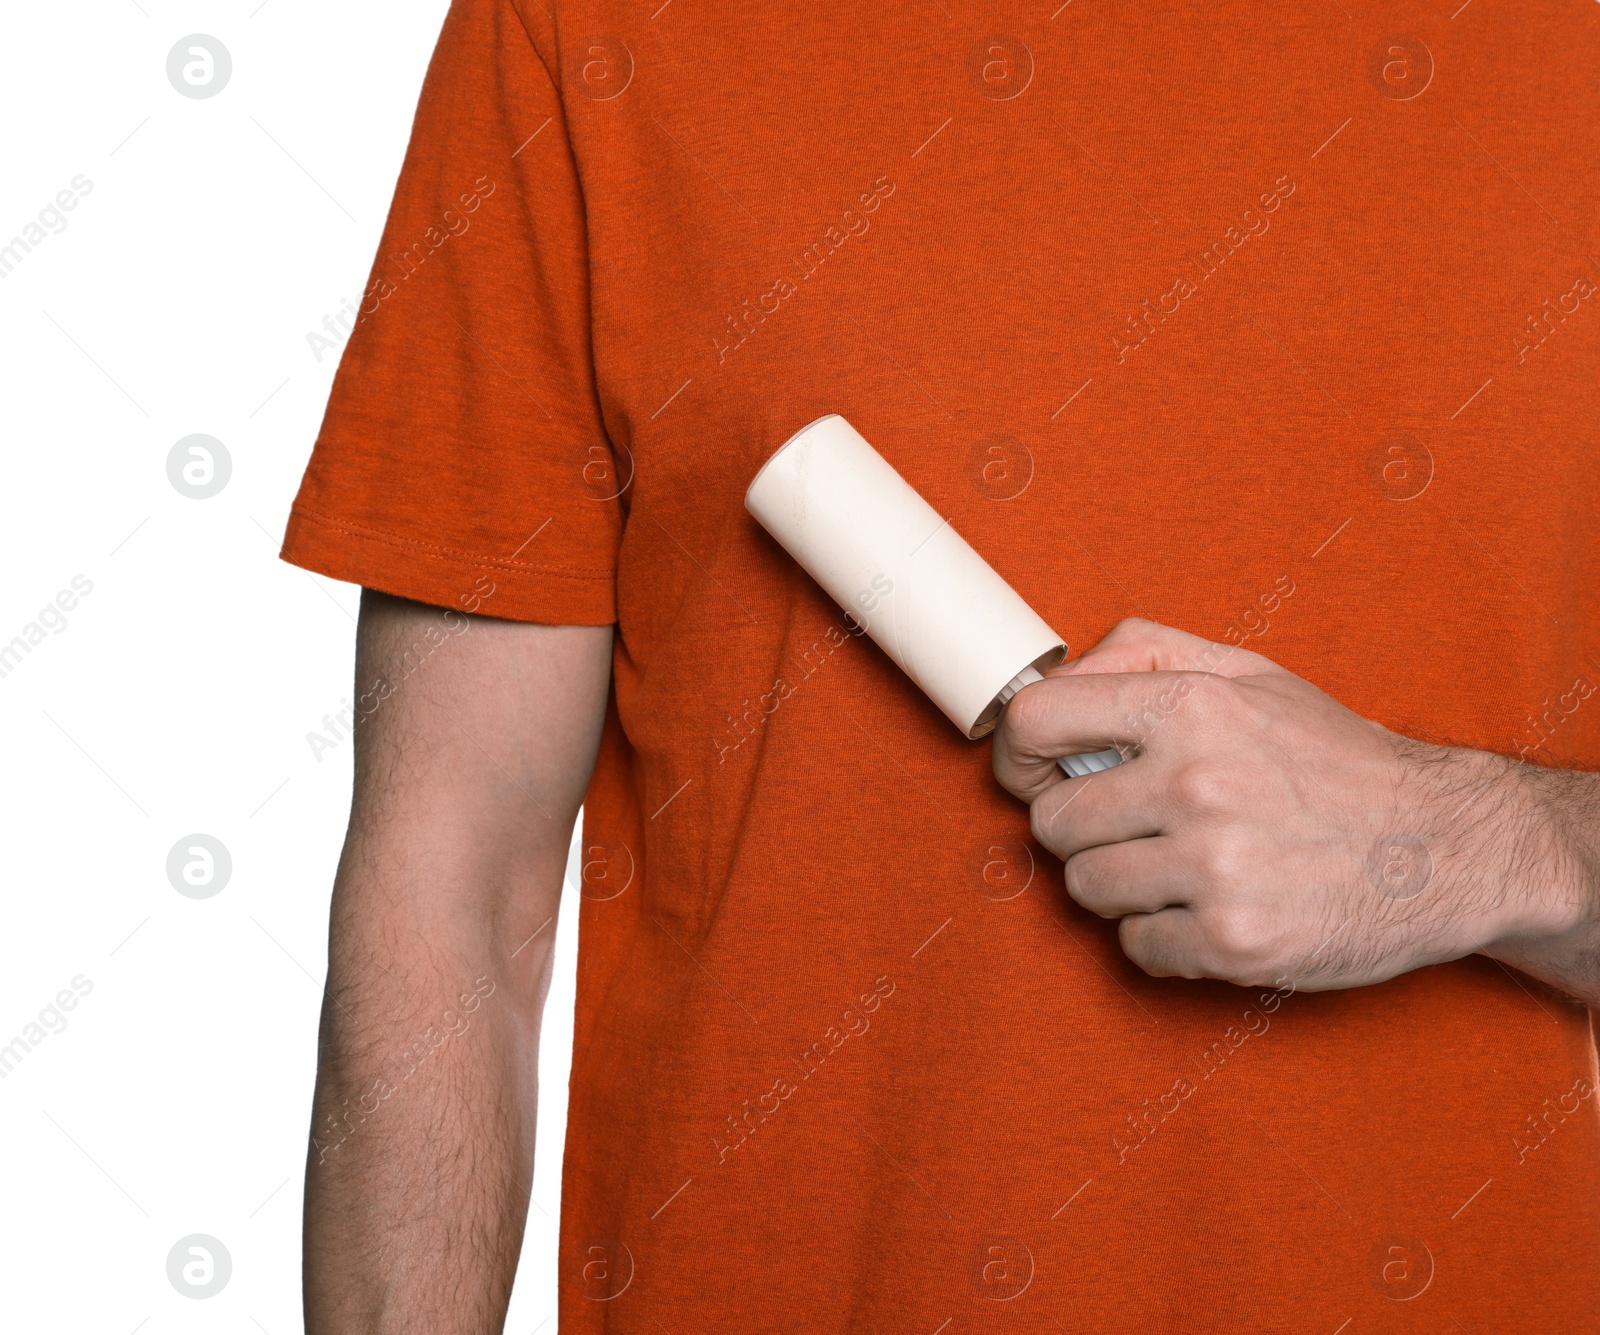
177 698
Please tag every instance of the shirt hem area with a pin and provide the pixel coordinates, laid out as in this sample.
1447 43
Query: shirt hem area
444 577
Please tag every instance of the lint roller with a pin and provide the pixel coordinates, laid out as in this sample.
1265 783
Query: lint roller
929 601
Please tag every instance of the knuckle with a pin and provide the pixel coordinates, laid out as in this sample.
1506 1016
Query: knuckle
1136 945
1203 787
1237 937
1084 882
1052 823
1144 945
1024 719
1041 820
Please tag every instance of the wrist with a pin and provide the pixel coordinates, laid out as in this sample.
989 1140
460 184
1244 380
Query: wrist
1537 849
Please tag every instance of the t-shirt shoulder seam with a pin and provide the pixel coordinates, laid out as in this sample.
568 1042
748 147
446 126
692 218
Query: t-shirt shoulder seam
438 552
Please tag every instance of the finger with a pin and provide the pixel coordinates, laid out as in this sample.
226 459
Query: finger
1205 942
1137 645
1139 876
1166 944
1110 807
1063 715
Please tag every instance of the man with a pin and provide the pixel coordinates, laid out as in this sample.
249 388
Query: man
1274 326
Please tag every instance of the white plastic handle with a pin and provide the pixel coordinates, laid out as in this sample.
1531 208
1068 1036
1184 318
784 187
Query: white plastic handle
1090 762
1080 766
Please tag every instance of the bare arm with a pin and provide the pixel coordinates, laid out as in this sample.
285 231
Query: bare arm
1561 941
474 745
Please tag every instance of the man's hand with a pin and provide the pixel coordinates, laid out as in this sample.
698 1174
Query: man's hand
1258 831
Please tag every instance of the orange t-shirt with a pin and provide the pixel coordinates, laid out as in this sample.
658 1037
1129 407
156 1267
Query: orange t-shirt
1275 323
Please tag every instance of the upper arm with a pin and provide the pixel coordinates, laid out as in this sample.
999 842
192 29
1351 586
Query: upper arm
474 742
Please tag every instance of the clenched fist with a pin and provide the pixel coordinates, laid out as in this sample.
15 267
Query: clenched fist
1258 831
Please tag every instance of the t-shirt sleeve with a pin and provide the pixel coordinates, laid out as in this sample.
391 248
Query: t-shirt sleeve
463 446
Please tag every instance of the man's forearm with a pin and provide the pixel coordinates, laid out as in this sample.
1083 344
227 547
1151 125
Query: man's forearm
422 1138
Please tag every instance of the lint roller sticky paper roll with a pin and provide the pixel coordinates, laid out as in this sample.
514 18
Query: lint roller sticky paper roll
929 601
